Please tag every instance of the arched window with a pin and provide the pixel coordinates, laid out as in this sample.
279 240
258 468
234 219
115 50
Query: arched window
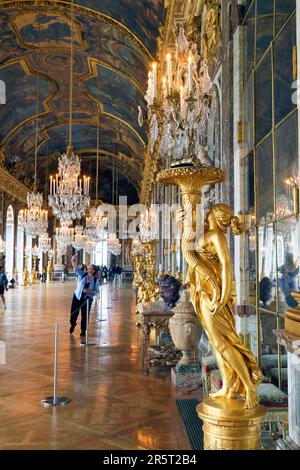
9 238
20 250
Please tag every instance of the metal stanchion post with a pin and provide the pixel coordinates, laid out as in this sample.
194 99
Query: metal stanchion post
86 342
55 400
101 319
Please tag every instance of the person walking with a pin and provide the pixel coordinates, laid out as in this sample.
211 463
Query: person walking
3 285
87 288
105 270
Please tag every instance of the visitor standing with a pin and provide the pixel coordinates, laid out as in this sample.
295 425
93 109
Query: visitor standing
3 285
64 273
87 288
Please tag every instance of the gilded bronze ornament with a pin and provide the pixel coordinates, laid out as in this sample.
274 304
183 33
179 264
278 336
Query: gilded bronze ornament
210 281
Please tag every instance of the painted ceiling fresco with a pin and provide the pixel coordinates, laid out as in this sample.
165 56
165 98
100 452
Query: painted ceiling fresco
114 41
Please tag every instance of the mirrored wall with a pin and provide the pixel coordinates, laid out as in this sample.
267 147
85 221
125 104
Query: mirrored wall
270 261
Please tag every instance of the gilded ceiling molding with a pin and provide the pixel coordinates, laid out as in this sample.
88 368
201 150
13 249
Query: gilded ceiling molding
132 171
92 64
122 157
104 113
93 122
126 124
43 45
10 185
63 5
75 121
23 61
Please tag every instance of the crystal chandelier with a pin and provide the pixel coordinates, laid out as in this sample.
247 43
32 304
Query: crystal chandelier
45 243
61 249
2 245
68 199
64 235
113 244
34 220
80 239
35 250
149 226
179 106
94 226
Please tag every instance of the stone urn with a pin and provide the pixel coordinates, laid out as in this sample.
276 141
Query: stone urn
185 330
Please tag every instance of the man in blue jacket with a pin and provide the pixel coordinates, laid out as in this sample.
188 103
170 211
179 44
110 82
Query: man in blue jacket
87 288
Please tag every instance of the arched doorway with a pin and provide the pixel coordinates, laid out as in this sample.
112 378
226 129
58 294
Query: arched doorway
20 250
9 238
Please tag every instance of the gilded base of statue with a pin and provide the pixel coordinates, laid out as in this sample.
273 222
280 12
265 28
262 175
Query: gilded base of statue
227 425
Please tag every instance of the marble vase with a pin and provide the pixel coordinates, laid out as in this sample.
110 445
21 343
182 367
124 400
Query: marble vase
185 330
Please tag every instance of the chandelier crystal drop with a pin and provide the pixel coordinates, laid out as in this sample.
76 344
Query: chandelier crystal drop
45 243
179 105
69 195
64 235
80 239
34 220
149 226
2 245
113 244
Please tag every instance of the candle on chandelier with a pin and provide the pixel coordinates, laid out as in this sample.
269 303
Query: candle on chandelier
56 182
154 79
169 70
80 185
181 99
51 178
164 87
190 73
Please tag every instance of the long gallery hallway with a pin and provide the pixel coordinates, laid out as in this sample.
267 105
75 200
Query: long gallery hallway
114 405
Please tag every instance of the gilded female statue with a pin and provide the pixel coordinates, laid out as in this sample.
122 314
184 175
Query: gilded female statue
210 280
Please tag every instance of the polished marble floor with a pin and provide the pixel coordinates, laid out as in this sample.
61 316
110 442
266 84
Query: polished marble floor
114 405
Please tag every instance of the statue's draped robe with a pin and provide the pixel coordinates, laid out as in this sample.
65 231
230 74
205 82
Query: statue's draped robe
222 324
